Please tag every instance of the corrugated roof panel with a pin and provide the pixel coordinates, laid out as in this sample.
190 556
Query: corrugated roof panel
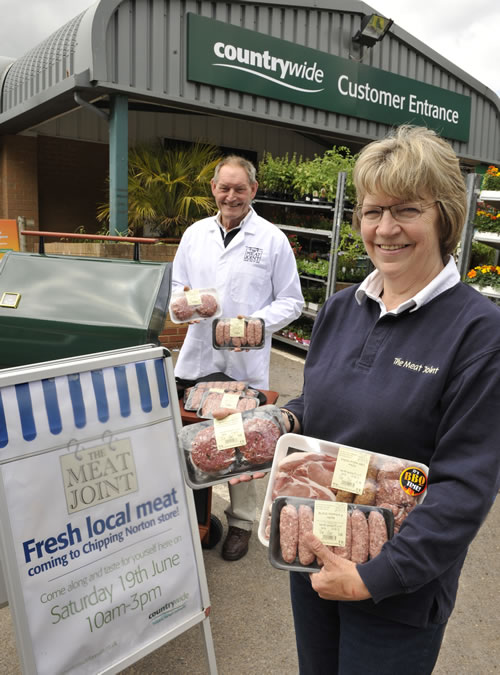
43 66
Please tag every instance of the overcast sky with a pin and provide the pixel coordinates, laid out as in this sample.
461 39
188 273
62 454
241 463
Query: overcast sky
465 32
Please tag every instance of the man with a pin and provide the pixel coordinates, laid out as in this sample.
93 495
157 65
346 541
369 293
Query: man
251 264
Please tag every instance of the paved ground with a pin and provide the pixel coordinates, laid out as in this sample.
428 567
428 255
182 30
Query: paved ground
251 619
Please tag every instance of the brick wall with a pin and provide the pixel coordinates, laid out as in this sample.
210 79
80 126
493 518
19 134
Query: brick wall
18 178
71 183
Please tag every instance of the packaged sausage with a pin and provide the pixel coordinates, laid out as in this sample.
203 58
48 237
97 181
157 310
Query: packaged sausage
364 528
213 399
310 468
194 395
245 333
194 305
245 442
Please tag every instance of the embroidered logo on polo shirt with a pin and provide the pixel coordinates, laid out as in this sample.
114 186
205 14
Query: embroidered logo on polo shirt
252 254
416 367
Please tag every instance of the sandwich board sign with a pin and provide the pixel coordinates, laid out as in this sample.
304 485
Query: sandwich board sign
100 545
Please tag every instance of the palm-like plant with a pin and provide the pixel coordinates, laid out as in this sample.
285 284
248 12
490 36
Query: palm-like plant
168 189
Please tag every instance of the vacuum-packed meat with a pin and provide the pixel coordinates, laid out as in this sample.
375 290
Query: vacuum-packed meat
205 454
377 533
181 309
289 532
306 517
261 437
360 538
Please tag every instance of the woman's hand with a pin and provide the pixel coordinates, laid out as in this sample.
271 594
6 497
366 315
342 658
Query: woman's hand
219 414
338 578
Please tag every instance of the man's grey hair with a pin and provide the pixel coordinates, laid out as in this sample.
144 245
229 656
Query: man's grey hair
237 161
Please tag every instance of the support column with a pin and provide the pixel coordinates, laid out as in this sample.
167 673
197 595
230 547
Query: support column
118 165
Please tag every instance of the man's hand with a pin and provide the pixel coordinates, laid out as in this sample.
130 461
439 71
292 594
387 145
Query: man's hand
338 578
219 414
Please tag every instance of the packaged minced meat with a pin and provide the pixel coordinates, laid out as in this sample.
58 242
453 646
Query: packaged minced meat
194 305
205 464
304 467
367 529
234 400
193 399
244 332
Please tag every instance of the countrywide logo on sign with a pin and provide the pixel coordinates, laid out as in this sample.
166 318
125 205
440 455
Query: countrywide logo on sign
227 56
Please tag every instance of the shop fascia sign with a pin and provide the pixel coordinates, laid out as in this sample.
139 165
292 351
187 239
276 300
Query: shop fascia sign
236 58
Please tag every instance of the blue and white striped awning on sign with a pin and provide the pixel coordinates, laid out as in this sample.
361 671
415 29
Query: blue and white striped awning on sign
53 411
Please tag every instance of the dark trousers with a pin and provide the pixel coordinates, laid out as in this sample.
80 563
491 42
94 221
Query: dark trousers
337 638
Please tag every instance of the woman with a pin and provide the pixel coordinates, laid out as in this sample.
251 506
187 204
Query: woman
405 364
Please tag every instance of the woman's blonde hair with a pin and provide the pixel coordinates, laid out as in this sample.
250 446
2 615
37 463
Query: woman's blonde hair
412 164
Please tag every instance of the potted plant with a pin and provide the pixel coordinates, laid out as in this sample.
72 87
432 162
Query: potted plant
306 181
481 254
168 189
485 278
275 176
295 244
316 179
491 180
353 264
487 219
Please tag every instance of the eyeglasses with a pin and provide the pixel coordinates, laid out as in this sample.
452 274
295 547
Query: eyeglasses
403 213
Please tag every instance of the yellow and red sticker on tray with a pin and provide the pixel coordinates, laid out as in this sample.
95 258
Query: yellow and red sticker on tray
413 481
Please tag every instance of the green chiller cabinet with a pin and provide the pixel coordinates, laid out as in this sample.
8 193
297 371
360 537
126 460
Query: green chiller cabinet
54 306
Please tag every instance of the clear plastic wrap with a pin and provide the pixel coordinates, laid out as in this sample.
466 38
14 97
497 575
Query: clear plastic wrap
245 333
205 464
303 467
193 395
287 548
194 305
239 401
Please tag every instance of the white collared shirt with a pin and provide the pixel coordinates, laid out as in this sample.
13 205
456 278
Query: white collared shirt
373 285
238 227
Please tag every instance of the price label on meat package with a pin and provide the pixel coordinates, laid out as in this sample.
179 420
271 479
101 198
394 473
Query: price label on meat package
237 328
193 297
350 470
229 432
330 519
229 400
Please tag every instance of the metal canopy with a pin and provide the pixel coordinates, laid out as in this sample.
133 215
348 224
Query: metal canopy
137 49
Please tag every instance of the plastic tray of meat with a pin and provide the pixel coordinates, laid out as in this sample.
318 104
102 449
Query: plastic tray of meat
204 464
243 332
212 400
194 395
303 467
367 530
194 305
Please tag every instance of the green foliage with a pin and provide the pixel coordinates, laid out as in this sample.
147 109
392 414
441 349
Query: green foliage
319 175
351 246
313 268
487 219
491 179
481 254
168 189
353 263
275 175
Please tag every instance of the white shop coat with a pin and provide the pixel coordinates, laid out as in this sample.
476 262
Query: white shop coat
256 275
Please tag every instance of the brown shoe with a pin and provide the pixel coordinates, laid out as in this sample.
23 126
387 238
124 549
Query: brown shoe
236 543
